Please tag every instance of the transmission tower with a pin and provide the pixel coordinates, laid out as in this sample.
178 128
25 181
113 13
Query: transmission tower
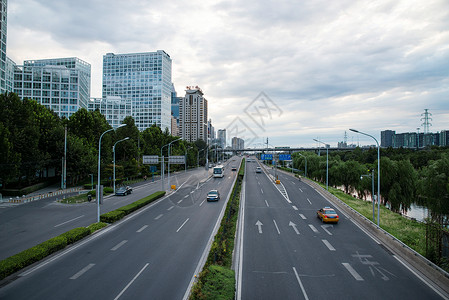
426 117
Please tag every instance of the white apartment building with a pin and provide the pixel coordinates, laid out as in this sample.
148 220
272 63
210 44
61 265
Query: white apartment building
193 115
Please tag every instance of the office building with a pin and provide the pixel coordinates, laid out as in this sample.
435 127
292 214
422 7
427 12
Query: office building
221 136
9 73
115 109
238 143
193 115
3 35
61 84
144 79
210 130
386 138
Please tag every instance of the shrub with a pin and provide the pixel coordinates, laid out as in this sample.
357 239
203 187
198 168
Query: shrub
112 216
96 226
75 234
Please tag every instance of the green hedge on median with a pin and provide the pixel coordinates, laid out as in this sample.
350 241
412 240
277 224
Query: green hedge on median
119 213
75 234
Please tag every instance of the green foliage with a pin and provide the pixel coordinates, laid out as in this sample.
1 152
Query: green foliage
218 283
96 226
112 216
75 234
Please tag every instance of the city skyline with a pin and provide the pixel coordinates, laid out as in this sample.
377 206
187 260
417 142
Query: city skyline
326 68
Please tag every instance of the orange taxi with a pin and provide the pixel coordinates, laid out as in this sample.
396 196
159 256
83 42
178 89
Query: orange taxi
327 215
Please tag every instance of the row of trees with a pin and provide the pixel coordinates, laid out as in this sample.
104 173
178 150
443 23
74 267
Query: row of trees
32 144
407 176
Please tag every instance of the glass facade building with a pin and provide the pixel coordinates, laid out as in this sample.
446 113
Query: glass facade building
115 109
3 27
145 80
62 84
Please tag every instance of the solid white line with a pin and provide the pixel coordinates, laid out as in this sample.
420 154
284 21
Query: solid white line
69 221
182 225
158 217
313 228
295 208
300 284
301 190
203 202
84 270
142 229
266 203
277 228
328 245
179 201
119 245
353 272
131 282
309 201
170 208
302 216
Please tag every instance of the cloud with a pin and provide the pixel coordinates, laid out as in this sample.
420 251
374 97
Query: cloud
328 65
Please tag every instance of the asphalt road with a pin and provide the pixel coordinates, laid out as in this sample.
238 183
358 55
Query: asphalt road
26 225
152 254
288 253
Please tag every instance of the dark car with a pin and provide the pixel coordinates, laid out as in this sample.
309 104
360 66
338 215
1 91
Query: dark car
213 195
123 191
234 168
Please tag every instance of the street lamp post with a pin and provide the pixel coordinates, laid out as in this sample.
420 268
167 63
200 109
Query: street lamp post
327 162
305 169
113 151
378 172
169 144
372 187
198 157
91 181
99 162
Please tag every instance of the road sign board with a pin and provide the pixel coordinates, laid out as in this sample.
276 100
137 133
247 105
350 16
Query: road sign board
150 159
285 157
153 169
266 156
180 159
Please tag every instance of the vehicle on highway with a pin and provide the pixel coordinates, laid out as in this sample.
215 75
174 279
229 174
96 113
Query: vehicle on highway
258 170
219 171
123 191
234 168
327 215
213 195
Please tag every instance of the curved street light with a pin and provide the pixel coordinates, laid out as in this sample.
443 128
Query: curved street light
99 162
378 172
327 162
113 151
305 170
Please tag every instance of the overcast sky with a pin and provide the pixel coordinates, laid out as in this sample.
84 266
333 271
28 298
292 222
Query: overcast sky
291 71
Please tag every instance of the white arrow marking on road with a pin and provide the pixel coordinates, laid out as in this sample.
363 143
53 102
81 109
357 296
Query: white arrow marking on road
259 224
294 227
302 216
327 226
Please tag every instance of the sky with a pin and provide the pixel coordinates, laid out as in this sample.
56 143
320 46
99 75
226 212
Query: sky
289 71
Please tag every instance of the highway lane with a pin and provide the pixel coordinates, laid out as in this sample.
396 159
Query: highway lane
29 224
295 256
151 255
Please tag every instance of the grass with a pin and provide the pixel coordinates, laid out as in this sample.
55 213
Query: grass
75 199
410 232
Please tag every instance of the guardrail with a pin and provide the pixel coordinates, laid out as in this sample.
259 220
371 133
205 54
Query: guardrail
24 199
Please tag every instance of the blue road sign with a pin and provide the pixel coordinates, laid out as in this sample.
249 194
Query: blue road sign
285 157
153 168
266 157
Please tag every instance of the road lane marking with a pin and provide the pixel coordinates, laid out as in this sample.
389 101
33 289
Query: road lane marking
266 203
186 196
302 216
313 228
295 208
142 229
328 245
261 191
182 225
277 228
170 208
119 245
203 202
69 221
179 201
300 284
309 201
293 182
259 225
192 192
131 282
301 190
294 227
353 272
325 228
84 270
158 217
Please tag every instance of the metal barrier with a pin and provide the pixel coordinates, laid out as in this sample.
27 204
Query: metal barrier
42 196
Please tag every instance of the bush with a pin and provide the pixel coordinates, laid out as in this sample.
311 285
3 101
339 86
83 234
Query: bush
112 216
75 234
218 283
96 226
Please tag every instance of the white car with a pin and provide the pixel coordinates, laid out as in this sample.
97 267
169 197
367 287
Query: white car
258 170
